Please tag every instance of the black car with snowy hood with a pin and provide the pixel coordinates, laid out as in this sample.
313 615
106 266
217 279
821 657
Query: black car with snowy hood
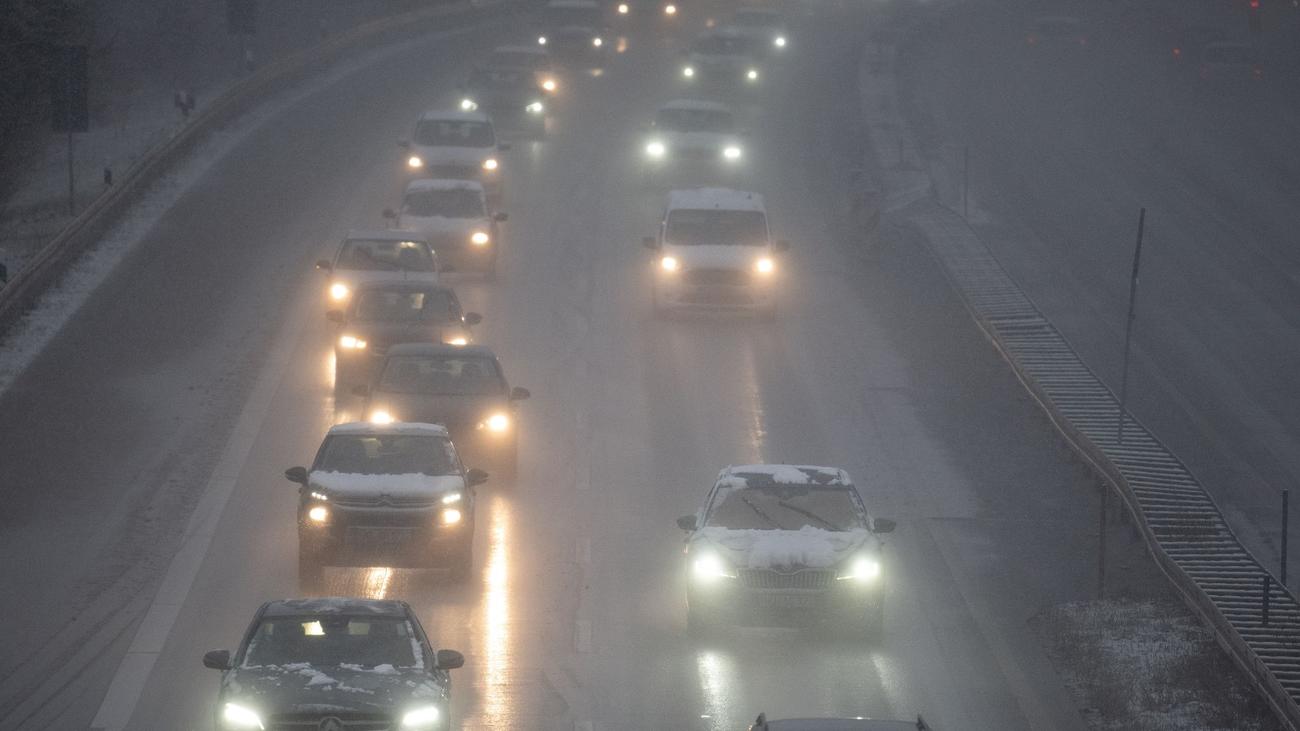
334 664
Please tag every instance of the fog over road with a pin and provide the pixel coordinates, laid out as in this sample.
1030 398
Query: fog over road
575 613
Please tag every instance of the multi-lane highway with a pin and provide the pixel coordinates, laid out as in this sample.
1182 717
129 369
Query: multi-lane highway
574 617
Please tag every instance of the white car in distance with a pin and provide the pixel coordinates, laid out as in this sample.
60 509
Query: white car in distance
692 136
456 143
453 216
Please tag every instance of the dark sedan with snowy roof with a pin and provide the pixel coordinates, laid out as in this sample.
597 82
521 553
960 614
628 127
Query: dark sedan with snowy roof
785 543
334 664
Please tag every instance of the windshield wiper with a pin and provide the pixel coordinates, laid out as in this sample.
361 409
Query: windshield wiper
808 514
761 514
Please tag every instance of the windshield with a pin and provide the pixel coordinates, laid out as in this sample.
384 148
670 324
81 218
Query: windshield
448 203
453 133
406 306
694 120
332 641
725 46
502 79
449 375
363 255
786 507
690 227
387 454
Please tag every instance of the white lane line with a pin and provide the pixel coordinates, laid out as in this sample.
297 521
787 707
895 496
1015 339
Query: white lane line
133 672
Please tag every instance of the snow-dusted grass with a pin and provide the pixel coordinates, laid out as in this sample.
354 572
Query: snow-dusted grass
1151 666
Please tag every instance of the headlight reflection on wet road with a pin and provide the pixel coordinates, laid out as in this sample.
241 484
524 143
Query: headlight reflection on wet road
717 684
497 671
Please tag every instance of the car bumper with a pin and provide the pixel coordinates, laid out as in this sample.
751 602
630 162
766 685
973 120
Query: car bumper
728 600
675 294
377 536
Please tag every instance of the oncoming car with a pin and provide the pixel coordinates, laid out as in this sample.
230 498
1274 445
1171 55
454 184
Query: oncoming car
785 542
452 215
714 251
535 59
385 495
764 25
667 10
724 59
377 256
690 136
329 663
463 388
456 144
574 31
512 96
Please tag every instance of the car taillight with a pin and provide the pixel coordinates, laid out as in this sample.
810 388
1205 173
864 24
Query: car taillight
1178 52
1031 39
1257 71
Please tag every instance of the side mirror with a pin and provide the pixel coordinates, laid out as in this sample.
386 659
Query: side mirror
404 144
324 265
472 318
361 390
448 659
504 146
475 477
650 242
334 316
217 659
501 218
782 245
296 474
686 522
389 213
882 525
519 393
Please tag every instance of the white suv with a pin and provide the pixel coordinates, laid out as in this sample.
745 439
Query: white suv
714 250
456 144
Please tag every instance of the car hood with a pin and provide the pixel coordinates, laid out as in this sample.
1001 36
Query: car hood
302 688
469 156
761 549
354 277
698 140
442 224
709 256
450 411
415 485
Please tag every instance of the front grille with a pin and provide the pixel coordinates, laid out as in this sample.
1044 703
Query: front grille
386 501
716 277
313 721
695 153
807 579
455 172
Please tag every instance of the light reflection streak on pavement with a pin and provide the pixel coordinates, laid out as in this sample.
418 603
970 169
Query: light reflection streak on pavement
496 622
377 580
757 417
716 681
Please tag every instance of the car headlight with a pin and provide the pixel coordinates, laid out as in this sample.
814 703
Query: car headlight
731 152
381 416
352 342
459 340
318 514
479 238
669 263
450 516
670 9
339 291
752 74
688 72
765 265
452 498
863 568
468 105
541 40
490 164
535 108
497 423
550 85
234 715
779 41
655 149
426 717
708 568
623 9
414 162
597 41
319 496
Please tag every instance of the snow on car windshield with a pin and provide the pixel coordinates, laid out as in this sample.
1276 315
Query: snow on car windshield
412 256
694 120
785 507
453 203
453 133
450 375
693 227
332 641
387 454
406 306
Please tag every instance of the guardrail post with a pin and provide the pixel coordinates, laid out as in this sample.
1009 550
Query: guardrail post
1128 327
1268 585
1286 510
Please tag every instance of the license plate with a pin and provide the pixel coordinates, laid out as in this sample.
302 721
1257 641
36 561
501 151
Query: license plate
789 601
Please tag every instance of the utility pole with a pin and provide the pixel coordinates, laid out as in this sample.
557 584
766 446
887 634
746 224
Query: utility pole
1128 327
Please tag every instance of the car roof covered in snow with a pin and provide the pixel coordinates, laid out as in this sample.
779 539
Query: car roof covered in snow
367 427
440 349
718 198
443 184
335 605
386 234
767 475
696 105
453 115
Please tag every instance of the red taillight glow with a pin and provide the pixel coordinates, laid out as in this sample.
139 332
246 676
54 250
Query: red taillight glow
1032 39
1178 52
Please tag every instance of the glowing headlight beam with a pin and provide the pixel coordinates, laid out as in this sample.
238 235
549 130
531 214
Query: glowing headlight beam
779 41
623 9
380 416
709 568
535 108
421 718
352 342
318 514
468 105
752 74
597 41
450 516
549 85
765 265
689 72
731 152
339 291
541 40
670 9
491 164
458 340
237 716
497 423
479 238
656 149
414 162
863 569
669 263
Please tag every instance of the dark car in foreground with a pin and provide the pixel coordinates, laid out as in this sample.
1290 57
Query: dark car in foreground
837 724
462 388
334 664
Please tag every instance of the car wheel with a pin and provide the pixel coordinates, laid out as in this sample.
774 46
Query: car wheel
311 571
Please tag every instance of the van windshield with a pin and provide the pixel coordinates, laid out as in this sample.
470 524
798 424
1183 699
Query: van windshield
690 227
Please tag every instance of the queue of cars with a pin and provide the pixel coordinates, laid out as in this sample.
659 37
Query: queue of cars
770 543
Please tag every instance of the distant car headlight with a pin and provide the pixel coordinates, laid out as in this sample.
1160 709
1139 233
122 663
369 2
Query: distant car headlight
669 263
426 717
670 9
656 149
535 108
479 238
731 152
765 265
234 715
339 291
550 85
779 41
597 41
319 496
491 164
468 105
541 40
623 9
450 516
381 416
456 340
752 74
352 342
708 568
414 162
688 72
863 568
452 498
318 514
497 423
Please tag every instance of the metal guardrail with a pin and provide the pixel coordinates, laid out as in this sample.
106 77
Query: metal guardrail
49 264
1255 618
